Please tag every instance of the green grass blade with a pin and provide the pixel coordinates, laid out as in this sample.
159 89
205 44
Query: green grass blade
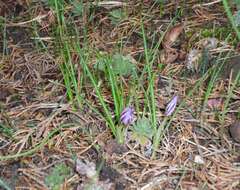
231 18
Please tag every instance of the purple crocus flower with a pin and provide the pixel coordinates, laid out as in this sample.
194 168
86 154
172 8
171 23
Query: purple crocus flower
171 106
127 115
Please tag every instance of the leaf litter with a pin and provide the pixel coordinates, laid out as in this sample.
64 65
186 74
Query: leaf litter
35 104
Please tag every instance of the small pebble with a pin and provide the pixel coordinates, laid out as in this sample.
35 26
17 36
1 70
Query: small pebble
192 59
210 43
235 131
198 159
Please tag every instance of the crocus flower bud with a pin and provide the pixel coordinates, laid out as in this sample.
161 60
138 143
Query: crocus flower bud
171 106
127 115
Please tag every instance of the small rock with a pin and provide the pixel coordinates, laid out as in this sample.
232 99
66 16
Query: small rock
192 60
210 43
234 130
86 168
148 149
198 159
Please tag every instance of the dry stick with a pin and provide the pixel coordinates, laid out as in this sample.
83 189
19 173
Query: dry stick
38 19
110 4
197 143
211 3
32 177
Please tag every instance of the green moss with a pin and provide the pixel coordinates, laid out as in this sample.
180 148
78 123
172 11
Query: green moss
221 33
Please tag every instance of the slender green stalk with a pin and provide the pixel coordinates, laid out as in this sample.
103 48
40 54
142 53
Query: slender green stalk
196 87
214 75
115 89
168 120
68 69
158 136
106 109
149 93
33 150
70 74
152 104
39 43
4 185
231 18
229 96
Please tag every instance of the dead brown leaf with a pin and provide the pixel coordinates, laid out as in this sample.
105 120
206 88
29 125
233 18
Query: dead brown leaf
84 167
172 35
168 56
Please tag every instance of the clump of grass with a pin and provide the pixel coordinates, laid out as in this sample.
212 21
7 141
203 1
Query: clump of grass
114 67
116 92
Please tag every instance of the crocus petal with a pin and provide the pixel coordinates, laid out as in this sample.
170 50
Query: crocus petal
126 121
127 115
171 106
